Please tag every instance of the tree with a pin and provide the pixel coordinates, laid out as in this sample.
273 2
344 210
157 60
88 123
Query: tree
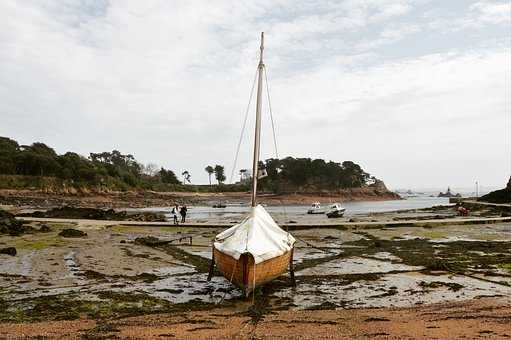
186 177
219 173
37 160
209 169
168 176
8 152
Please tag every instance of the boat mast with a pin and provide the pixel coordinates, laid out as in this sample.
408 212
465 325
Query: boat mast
257 138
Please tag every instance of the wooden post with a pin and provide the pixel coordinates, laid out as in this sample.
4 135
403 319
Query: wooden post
212 265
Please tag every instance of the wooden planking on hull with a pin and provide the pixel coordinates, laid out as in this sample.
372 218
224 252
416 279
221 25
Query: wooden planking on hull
241 272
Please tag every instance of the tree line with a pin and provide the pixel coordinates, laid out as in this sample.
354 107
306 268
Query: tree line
122 171
292 174
112 169
219 172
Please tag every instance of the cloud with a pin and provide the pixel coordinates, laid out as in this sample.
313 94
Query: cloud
492 12
169 82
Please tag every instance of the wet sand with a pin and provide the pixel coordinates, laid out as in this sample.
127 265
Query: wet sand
389 282
484 318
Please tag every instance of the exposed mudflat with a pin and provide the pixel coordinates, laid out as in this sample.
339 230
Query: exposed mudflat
106 275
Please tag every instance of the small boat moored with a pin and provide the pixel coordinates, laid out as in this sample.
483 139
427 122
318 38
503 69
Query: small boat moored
316 209
335 210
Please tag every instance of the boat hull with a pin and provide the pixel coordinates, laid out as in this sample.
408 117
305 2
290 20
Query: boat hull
247 275
335 213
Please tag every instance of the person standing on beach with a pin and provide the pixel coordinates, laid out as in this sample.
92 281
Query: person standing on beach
174 212
183 211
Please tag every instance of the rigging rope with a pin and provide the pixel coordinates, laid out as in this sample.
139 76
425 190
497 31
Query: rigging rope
274 136
271 114
243 128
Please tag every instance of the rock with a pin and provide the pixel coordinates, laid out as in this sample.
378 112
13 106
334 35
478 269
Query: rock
448 194
499 196
8 251
44 228
147 240
72 233
96 214
11 226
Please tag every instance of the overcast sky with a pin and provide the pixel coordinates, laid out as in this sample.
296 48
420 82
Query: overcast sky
417 92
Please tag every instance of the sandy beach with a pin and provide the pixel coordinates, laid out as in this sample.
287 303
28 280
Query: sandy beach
483 318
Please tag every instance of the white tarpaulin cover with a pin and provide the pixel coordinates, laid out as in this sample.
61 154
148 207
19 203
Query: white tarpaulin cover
257 234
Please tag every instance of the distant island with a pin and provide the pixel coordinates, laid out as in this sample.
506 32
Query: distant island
39 167
448 194
499 196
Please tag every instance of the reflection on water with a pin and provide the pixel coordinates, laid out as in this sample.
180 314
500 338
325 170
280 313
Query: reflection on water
234 212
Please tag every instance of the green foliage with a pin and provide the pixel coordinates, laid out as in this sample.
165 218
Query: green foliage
8 148
168 176
40 166
303 173
219 173
106 169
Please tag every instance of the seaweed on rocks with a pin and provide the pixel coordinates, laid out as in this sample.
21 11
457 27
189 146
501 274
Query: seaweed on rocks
11 226
459 256
96 214
8 251
44 228
111 305
437 284
73 233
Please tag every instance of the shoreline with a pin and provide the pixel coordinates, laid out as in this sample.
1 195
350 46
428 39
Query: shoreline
141 199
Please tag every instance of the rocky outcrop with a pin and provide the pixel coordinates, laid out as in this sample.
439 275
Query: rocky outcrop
11 226
499 196
72 233
448 194
96 214
8 251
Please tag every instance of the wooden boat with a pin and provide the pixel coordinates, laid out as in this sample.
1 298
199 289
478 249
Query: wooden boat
256 250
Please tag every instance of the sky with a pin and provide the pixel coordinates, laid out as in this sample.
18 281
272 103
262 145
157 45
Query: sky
416 92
